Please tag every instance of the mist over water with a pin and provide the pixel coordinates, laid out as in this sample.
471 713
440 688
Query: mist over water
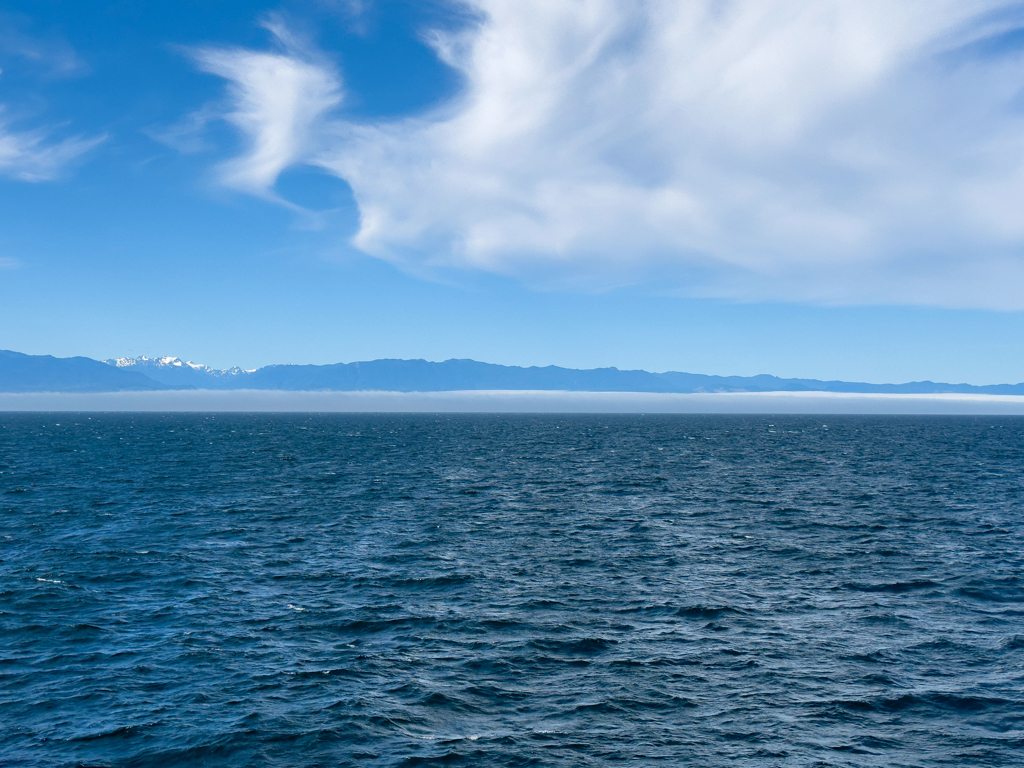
507 590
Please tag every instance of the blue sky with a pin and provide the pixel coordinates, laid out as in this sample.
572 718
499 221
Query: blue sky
821 189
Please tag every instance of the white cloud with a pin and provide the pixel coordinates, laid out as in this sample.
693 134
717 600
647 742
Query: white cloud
812 150
279 101
28 156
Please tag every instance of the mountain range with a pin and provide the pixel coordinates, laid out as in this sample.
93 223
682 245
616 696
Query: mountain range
43 373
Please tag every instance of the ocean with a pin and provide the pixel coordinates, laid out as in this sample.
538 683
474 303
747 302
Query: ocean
510 590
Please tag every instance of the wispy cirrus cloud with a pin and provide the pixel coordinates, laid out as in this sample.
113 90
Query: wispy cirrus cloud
187 134
279 102
51 54
33 156
809 150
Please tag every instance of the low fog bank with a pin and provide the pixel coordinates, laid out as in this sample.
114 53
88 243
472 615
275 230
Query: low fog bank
506 401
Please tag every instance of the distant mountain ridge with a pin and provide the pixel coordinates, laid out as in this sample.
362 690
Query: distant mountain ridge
43 373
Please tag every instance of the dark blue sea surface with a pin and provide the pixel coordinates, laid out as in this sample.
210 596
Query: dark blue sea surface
495 590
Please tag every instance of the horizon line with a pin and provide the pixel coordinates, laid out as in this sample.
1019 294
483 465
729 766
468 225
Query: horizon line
515 401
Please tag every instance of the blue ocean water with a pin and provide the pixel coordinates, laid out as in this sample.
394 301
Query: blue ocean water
380 590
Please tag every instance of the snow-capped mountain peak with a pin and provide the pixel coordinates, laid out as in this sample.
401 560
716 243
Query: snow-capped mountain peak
167 362
173 370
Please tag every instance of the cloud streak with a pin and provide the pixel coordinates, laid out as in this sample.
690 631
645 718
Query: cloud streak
29 156
51 54
800 150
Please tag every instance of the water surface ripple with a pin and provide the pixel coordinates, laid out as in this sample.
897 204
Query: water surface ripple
381 590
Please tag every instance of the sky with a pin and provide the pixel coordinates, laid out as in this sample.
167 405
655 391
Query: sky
811 188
